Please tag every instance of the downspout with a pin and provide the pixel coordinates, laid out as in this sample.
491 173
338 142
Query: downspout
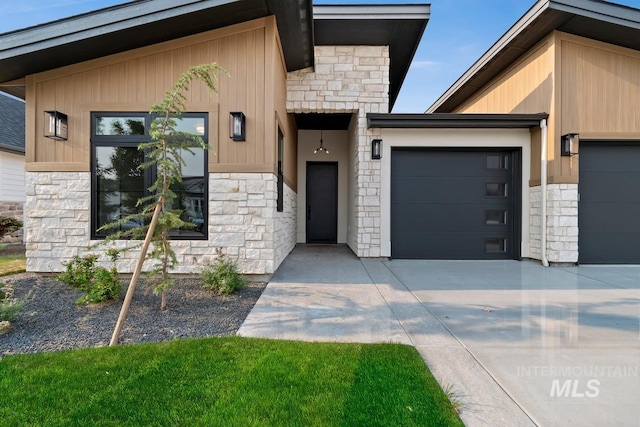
543 191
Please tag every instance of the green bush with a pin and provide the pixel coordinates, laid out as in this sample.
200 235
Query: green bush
9 306
9 225
223 277
98 283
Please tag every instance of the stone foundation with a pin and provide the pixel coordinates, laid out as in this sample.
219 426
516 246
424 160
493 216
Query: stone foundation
562 223
243 222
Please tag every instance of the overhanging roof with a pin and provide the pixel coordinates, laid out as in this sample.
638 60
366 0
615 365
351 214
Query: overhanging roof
145 22
142 23
452 120
598 20
399 26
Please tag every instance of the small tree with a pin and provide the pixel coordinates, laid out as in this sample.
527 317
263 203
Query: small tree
164 154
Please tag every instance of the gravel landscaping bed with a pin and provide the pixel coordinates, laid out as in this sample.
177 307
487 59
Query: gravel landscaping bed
51 320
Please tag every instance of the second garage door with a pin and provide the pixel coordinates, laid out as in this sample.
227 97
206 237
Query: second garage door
455 204
609 207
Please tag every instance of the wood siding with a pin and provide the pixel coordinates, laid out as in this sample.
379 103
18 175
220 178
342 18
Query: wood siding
600 89
527 86
134 80
587 87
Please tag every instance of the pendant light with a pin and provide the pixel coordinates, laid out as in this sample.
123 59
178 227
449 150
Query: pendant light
321 148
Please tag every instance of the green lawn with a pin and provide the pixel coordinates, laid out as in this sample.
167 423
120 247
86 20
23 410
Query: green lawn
11 264
228 381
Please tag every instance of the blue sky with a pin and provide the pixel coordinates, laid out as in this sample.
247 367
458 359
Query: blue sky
458 33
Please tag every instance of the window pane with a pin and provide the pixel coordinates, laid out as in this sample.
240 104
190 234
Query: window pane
120 125
496 217
497 161
193 125
495 245
119 182
496 189
190 193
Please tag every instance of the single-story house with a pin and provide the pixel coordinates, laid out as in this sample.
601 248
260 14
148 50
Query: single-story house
320 159
12 193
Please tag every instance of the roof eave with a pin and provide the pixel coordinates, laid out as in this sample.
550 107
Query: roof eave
453 120
552 15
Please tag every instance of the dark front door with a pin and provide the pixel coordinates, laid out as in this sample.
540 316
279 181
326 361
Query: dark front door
322 202
455 204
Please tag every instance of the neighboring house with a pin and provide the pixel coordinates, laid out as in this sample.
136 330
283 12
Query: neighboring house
296 71
12 184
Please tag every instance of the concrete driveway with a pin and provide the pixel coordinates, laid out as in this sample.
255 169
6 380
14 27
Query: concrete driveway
519 343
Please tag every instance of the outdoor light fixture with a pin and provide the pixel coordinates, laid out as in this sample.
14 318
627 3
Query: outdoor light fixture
55 125
321 148
237 126
376 149
568 144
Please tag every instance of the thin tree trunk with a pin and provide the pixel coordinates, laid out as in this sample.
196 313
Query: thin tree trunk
163 303
134 279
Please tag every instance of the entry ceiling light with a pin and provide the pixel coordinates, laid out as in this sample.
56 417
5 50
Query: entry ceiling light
321 148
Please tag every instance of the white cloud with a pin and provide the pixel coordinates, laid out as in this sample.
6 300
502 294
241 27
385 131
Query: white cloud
424 64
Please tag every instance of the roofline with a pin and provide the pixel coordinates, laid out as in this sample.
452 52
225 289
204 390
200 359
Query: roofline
371 11
382 12
602 11
454 120
12 149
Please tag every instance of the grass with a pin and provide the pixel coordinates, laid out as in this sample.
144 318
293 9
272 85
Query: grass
12 264
229 381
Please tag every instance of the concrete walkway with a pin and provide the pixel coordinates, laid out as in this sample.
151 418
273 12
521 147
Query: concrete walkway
520 344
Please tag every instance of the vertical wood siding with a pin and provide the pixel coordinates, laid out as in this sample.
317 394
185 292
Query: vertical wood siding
527 86
134 80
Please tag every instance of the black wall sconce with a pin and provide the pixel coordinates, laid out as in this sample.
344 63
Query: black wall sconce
237 126
376 149
56 125
568 144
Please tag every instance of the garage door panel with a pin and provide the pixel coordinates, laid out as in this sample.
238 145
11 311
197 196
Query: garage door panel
610 186
609 207
443 245
446 189
437 163
455 218
621 248
603 217
452 204
609 157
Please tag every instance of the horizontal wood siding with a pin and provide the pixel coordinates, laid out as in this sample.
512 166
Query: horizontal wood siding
527 86
12 177
134 80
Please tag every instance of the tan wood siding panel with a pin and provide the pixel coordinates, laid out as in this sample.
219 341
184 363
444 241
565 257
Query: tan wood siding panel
132 81
600 87
527 86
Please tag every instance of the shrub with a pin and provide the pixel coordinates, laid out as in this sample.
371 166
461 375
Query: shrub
9 306
98 283
223 277
9 225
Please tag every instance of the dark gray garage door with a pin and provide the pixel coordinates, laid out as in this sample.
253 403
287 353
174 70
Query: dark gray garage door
455 204
609 207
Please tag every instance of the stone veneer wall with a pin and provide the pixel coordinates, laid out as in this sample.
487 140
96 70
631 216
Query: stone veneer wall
242 221
350 79
562 222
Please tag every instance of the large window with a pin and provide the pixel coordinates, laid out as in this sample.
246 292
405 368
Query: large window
118 182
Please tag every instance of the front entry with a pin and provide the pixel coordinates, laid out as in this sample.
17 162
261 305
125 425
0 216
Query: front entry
322 202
